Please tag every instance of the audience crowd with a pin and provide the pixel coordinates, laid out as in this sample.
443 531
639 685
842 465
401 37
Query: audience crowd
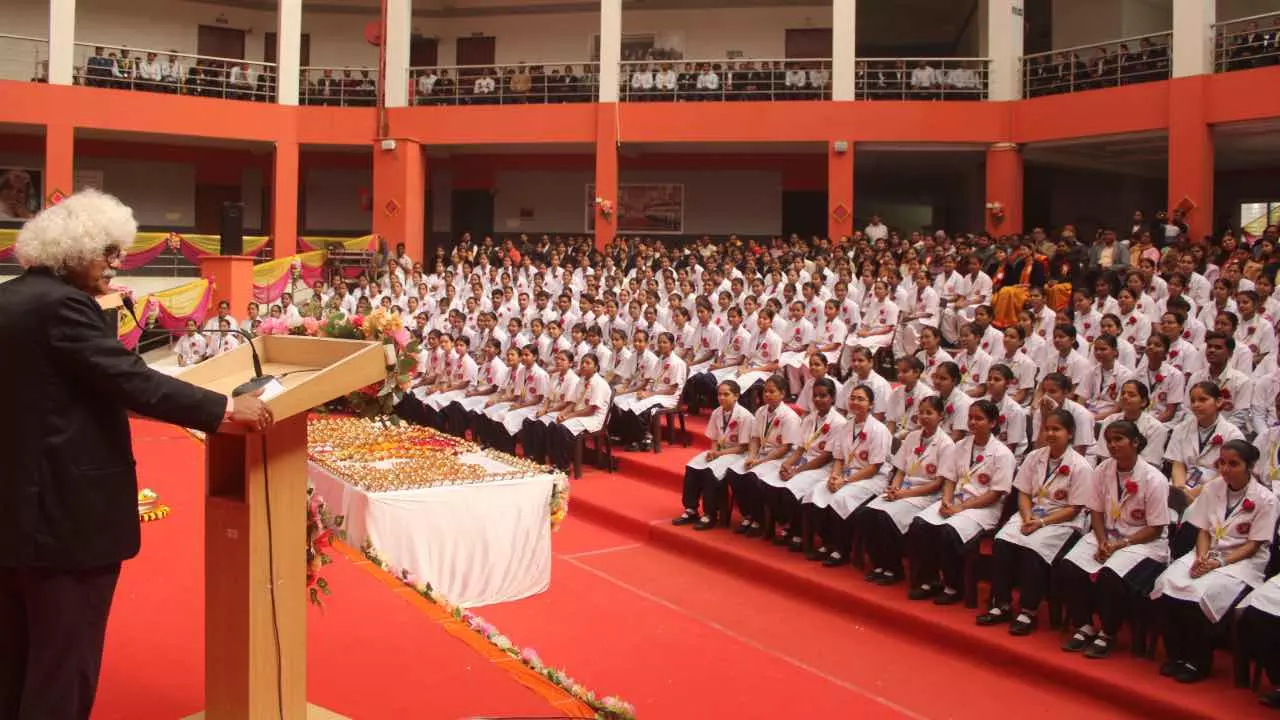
1103 410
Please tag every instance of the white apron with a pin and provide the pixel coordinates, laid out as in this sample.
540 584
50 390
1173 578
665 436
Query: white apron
903 511
725 373
850 497
718 467
1120 562
968 523
802 485
497 412
631 403
439 401
746 379
513 420
1215 591
1047 541
474 403
767 472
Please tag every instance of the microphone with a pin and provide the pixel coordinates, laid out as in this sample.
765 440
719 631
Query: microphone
259 380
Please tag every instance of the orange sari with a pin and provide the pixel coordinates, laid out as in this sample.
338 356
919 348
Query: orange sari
1057 295
1009 300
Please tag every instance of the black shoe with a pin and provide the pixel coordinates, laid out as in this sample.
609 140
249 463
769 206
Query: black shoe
835 559
797 544
888 577
949 598
1171 668
633 447
1271 700
995 616
754 531
924 592
816 554
1190 674
873 575
1023 625
1077 642
705 523
742 528
688 518
1099 648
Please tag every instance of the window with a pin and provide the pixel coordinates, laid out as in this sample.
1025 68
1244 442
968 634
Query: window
1256 216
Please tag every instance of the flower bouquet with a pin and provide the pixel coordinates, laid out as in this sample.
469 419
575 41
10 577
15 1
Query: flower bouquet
321 527
401 349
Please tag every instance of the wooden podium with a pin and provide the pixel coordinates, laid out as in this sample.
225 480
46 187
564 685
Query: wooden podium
255 525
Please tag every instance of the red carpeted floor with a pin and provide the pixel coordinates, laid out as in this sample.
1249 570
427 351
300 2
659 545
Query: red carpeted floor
371 654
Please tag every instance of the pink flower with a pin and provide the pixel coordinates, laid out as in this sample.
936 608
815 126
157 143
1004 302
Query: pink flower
311 326
1159 378
919 450
1186 335
1064 470
911 401
358 321
530 657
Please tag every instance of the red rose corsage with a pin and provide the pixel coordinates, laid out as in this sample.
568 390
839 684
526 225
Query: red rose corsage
1133 320
1247 505
1173 353
863 455
1131 486
978 460
1064 470
1159 378
826 427
1059 494
1217 440
964 370
1137 514
862 436
1244 528
931 468
984 479
911 401
733 424
919 450
1162 396
1001 420
951 408
1087 326
1226 394
1186 335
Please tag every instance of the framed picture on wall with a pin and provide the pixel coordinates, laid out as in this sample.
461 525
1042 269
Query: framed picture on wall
643 208
21 193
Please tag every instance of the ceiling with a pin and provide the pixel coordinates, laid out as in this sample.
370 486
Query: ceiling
1143 154
1247 145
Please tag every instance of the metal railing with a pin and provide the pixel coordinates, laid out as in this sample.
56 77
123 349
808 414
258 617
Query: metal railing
339 86
1128 61
170 71
1247 42
922 79
519 84
724 80
24 58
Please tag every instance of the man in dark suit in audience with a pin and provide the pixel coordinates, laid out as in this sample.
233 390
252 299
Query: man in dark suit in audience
68 493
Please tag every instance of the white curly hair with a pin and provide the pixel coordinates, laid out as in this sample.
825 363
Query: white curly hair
75 232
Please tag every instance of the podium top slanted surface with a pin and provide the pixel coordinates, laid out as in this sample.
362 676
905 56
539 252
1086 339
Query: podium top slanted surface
312 370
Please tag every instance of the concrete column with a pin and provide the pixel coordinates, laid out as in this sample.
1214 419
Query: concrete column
1004 190
1193 37
62 39
839 190
844 18
1004 31
288 50
610 49
59 162
1191 154
399 196
284 200
395 47
606 174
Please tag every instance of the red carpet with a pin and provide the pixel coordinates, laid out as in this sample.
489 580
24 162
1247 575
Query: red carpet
371 654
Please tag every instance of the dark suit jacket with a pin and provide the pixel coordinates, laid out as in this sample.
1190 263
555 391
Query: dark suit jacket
68 490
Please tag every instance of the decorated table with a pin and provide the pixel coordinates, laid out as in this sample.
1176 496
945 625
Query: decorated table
476 524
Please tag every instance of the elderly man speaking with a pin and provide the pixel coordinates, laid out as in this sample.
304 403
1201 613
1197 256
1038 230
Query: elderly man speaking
68 490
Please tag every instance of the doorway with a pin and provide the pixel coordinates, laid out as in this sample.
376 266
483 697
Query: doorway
423 51
808 43
220 42
269 49
472 212
476 50
804 212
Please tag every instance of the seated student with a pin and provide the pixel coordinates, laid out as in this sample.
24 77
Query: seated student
1012 353
1187 358
931 354
1255 332
977 474
1126 353
1235 520
797 341
505 413
661 389
859 474
1053 484
491 375
729 430
622 367
806 466
1124 552
227 340
1054 394
1242 358
905 399
818 369
763 360
534 431
1063 357
1260 634
879 320
1194 446
1101 388
192 347
462 372
955 404
735 348
1134 399
585 413
973 361
440 365
1011 427
1035 345
603 352
774 432
578 340
915 486
1165 381
862 372
829 336
1236 387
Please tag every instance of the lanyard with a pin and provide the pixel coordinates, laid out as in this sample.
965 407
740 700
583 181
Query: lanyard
1203 437
974 451
1231 507
725 417
1050 472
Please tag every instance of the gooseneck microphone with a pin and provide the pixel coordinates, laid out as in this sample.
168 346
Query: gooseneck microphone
259 380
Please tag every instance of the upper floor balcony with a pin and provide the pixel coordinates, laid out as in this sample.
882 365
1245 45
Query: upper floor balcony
1102 65
1247 42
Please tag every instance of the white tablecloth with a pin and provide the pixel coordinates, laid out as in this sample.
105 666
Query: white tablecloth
477 544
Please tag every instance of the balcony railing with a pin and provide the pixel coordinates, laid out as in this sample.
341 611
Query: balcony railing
1247 42
339 86
169 71
1089 67
520 84
721 80
24 58
922 79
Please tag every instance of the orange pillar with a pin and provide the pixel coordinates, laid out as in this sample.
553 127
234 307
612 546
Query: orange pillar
1191 155
232 280
399 196
59 161
1004 189
606 185
284 202
839 191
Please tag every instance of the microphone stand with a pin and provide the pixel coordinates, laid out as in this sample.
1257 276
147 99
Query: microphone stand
259 379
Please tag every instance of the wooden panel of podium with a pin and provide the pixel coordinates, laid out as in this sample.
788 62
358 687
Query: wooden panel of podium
255 525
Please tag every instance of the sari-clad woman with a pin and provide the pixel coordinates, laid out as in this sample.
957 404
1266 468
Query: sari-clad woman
1020 272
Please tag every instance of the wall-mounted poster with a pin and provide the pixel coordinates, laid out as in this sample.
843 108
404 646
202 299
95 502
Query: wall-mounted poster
21 193
645 208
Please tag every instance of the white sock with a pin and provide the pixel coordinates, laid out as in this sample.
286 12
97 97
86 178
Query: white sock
1087 630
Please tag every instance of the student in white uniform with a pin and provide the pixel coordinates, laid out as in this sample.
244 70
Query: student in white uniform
862 372
879 321
1011 426
1063 357
1134 401
807 466
931 354
1053 484
559 398
585 414
977 474
1166 382
796 342
191 347
915 486
1126 548
506 417
774 432
1236 387
1260 634
462 374
661 389
1235 520
763 359
1194 446
1055 393
904 400
819 368
729 430
490 376
859 474
1100 391
955 404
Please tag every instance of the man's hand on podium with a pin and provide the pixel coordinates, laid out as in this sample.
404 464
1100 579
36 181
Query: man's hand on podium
248 411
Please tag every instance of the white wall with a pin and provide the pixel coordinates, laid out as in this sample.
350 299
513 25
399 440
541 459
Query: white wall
160 193
1143 17
1232 9
715 202
1081 22
171 24
333 200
